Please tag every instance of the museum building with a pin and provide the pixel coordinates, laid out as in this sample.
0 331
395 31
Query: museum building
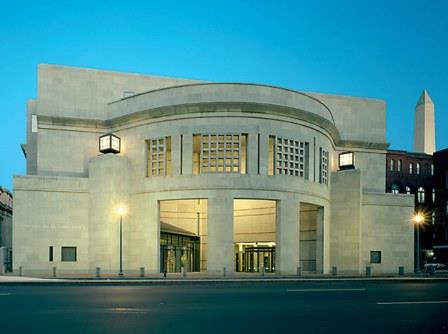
126 171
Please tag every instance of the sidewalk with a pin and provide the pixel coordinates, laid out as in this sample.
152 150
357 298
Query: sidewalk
201 278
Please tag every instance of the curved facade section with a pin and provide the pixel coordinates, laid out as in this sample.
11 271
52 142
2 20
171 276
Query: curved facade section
219 93
215 178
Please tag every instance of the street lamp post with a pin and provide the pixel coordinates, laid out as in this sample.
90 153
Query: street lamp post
121 212
419 219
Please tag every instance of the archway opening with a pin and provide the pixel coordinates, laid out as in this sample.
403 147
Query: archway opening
254 235
183 235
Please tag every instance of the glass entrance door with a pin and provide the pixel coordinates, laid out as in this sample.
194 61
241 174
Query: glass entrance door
177 251
252 258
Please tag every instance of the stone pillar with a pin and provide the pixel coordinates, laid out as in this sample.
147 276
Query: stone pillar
264 151
175 154
252 154
326 239
187 154
319 239
288 236
220 235
108 189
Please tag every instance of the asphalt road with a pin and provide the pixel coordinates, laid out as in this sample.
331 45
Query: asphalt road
327 307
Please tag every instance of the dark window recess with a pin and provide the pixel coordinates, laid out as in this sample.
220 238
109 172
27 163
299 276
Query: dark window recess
68 254
50 253
375 256
181 152
320 164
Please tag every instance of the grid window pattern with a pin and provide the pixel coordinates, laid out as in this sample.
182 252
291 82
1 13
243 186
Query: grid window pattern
159 156
323 157
221 153
289 157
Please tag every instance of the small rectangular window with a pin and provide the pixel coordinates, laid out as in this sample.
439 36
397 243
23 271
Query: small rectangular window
375 256
68 254
50 253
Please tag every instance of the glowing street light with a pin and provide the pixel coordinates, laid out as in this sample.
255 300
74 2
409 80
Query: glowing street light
121 211
419 219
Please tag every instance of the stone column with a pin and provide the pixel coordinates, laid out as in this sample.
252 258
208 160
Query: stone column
319 239
264 151
288 236
326 239
175 154
252 154
187 154
220 234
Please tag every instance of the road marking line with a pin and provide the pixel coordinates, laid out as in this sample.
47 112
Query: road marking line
5 294
317 290
415 302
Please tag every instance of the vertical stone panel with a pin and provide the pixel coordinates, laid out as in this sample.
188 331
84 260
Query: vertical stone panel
288 236
187 154
220 234
108 189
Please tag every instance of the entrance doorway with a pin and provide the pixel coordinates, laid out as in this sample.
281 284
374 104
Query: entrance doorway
254 235
183 235
177 252
251 258
311 237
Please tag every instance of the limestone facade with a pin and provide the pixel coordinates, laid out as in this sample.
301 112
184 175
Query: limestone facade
253 165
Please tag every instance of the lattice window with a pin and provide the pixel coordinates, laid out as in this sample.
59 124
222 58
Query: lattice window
159 156
289 157
223 153
323 157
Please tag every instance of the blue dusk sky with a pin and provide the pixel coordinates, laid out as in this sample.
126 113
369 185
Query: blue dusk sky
390 50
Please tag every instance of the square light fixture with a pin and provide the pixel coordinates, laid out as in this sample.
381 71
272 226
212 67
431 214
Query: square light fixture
346 160
109 143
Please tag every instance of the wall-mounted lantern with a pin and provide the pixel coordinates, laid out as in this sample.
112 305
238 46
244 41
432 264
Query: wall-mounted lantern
346 160
109 143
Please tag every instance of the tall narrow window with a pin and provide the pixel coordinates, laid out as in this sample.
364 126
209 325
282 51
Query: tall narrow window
433 195
399 165
307 160
323 166
433 218
392 165
417 168
159 156
271 154
395 189
432 169
411 168
420 195
408 190
50 253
